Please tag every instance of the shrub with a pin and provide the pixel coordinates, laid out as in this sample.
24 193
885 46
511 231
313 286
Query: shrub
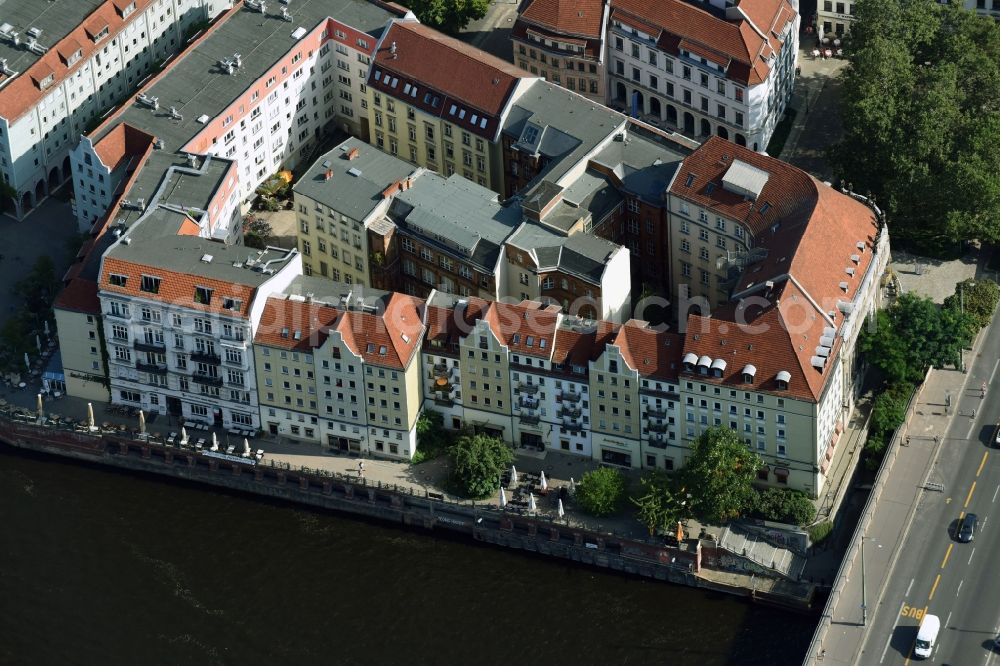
784 506
819 533
477 461
601 491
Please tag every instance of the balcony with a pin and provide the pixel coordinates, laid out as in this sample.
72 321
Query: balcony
657 427
529 419
572 426
443 402
528 402
569 396
204 357
656 413
151 368
657 443
148 346
207 380
529 389
568 412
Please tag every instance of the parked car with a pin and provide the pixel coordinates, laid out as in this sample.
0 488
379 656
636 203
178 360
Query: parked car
967 528
996 437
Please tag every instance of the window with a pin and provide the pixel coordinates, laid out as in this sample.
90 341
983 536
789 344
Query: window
202 295
118 280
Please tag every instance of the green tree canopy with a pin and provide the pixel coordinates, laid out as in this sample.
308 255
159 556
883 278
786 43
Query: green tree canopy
601 491
915 333
921 117
719 474
257 232
888 413
477 461
784 505
448 15
659 507
977 298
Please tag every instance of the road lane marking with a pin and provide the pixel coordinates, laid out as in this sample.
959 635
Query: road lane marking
947 620
970 556
995 493
909 652
909 587
968 498
959 590
947 555
889 637
992 374
983 463
934 587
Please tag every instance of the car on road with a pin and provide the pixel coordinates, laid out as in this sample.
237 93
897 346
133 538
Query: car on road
927 634
996 437
967 528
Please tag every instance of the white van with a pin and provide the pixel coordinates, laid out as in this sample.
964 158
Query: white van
926 636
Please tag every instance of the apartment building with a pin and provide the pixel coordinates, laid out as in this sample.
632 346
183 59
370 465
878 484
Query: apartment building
264 109
63 63
713 69
178 325
441 104
834 17
447 320
339 199
564 43
339 364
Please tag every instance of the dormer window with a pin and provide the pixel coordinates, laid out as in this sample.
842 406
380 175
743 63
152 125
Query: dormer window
370 348
124 7
46 81
748 373
203 295
782 380
718 367
284 332
689 361
117 280
150 284
231 304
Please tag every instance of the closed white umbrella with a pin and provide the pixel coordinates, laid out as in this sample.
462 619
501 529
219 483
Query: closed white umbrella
90 415
836 42
27 361
544 483
246 447
184 435
531 503
47 328
40 412
142 423
561 511
503 498
215 442
572 484
513 475
38 342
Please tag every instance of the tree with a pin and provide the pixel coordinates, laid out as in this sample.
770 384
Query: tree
913 334
257 232
449 15
601 491
432 440
720 473
920 107
888 413
659 508
477 461
977 298
784 505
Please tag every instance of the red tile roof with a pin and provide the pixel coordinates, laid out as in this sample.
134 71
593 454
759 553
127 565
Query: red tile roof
580 346
454 72
176 288
672 22
122 143
294 325
23 92
448 325
80 295
655 354
390 339
514 325
570 17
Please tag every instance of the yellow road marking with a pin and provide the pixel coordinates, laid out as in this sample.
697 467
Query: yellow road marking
968 497
934 587
947 555
983 463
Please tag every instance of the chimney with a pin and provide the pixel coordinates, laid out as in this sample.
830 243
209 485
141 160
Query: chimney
392 50
352 153
328 174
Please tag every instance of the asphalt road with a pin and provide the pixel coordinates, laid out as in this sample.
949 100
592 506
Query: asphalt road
935 573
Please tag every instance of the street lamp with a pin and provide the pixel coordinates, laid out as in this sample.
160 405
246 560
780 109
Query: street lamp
864 587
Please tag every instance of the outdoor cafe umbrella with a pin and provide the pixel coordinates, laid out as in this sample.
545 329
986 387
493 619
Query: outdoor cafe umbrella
680 532
560 510
40 412
38 342
46 328
184 435
90 415
503 498
836 42
215 442
531 503
513 475
572 484
142 423
544 483
246 447
27 361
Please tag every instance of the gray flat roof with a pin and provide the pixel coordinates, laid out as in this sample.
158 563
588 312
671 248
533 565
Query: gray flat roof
590 194
55 18
584 255
457 214
329 292
195 85
155 243
573 125
356 185
645 162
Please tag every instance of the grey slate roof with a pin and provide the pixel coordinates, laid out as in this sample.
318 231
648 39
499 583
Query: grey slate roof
457 214
645 161
573 125
356 185
55 18
583 255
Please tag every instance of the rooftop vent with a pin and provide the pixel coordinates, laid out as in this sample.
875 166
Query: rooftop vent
175 114
146 100
861 246
328 174
856 258
206 258
354 172
34 32
818 362
126 240
392 50
203 118
850 270
843 285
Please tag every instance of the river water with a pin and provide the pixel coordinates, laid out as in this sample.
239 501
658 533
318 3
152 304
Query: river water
102 567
